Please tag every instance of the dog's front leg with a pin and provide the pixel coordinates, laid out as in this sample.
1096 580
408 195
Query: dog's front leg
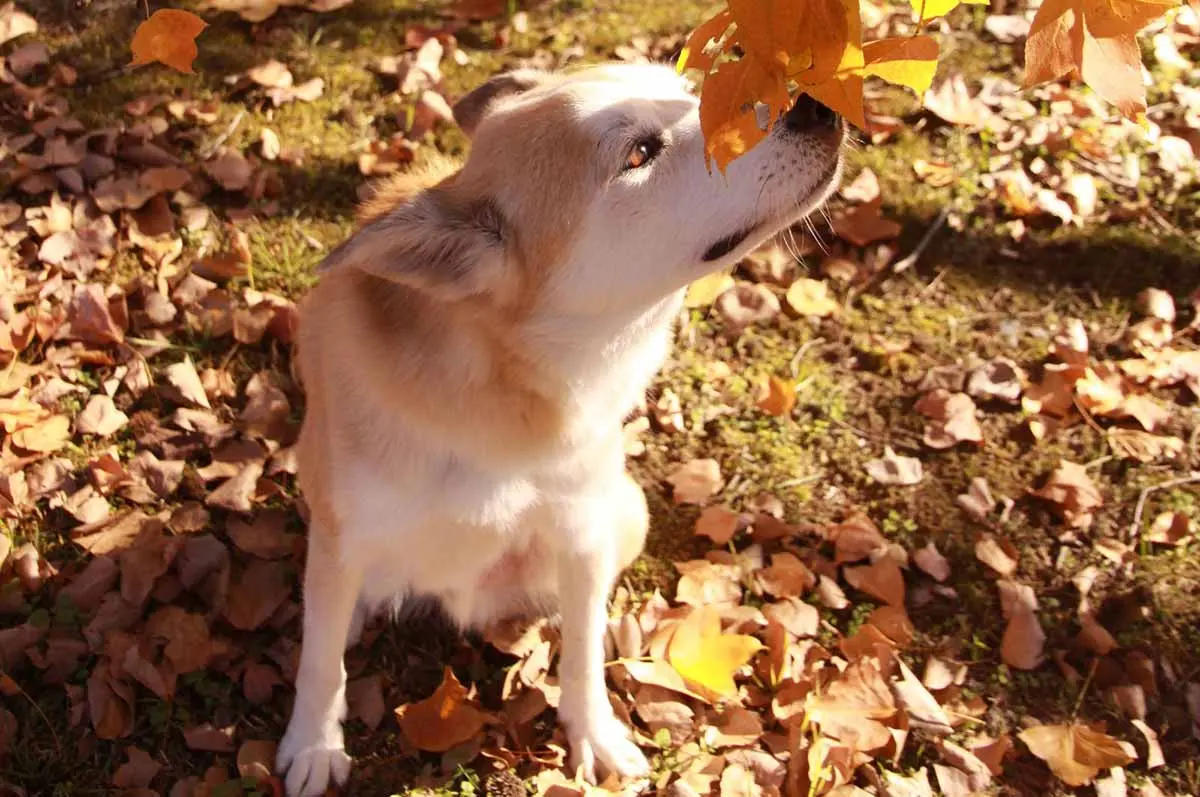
587 566
312 751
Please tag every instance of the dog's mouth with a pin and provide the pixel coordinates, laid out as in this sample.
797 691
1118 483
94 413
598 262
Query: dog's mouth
724 246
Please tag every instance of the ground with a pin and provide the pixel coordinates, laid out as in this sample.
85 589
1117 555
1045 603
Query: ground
1002 278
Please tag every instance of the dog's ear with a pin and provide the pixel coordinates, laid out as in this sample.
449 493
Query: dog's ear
469 110
435 243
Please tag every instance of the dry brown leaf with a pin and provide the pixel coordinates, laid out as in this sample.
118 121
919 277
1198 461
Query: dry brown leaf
1072 493
717 523
184 378
100 417
864 224
895 470
1075 753
208 738
256 594
15 23
137 771
256 759
746 304
999 379
998 554
931 561
189 647
444 720
1023 641
696 481
855 706
230 170
1170 528
364 698
953 416
882 580
787 577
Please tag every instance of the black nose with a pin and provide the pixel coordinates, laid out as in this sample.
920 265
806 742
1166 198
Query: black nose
809 115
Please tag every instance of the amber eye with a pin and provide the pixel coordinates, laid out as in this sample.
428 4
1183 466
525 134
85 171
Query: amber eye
643 152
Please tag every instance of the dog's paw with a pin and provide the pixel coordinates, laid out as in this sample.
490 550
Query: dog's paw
606 743
311 763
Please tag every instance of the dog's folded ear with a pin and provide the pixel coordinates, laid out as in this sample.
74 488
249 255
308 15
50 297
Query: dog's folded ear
471 109
436 243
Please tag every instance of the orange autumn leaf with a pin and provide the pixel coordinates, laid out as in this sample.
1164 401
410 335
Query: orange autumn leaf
1095 40
780 397
168 37
706 657
443 720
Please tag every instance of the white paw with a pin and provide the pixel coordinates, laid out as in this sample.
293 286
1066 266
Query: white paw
605 742
312 760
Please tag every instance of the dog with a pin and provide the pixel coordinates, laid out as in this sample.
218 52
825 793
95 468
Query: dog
470 354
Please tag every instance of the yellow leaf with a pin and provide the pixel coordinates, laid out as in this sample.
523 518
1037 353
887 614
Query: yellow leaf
705 290
694 54
443 720
906 61
811 298
169 37
1075 753
706 657
844 95
929 9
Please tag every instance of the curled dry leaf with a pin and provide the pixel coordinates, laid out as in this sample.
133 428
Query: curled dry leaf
977 501
256 759
444 720
998 554
1072 493
953 416
930 560
696 481
1170 528
895 470
100 417
864 224
1075 753
184 378
707 658
999 379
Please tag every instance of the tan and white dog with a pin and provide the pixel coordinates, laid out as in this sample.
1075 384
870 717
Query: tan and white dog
471 352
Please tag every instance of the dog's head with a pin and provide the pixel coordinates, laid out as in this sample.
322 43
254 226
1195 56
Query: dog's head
588 194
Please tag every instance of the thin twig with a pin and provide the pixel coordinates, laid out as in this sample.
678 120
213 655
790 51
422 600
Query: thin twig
904 264
1086 685
38 709
212 148
1135 529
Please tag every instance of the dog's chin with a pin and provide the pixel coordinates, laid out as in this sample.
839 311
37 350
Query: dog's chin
736 245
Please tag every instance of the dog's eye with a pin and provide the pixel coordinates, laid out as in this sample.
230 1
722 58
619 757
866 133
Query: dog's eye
643 152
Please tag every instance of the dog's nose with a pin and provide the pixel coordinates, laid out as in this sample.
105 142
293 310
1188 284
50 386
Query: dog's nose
809 115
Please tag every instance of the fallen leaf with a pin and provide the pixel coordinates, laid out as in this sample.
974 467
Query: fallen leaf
809 297
364 698
183 377
1075 753
1170 528
1023 641
717 523
169 37
705 290
882 580
14 23
1072 493
998 554
444 720
256 594
930 560
100 417
953 416
696 481
895 470
864 224
137 771
780 398
706 657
